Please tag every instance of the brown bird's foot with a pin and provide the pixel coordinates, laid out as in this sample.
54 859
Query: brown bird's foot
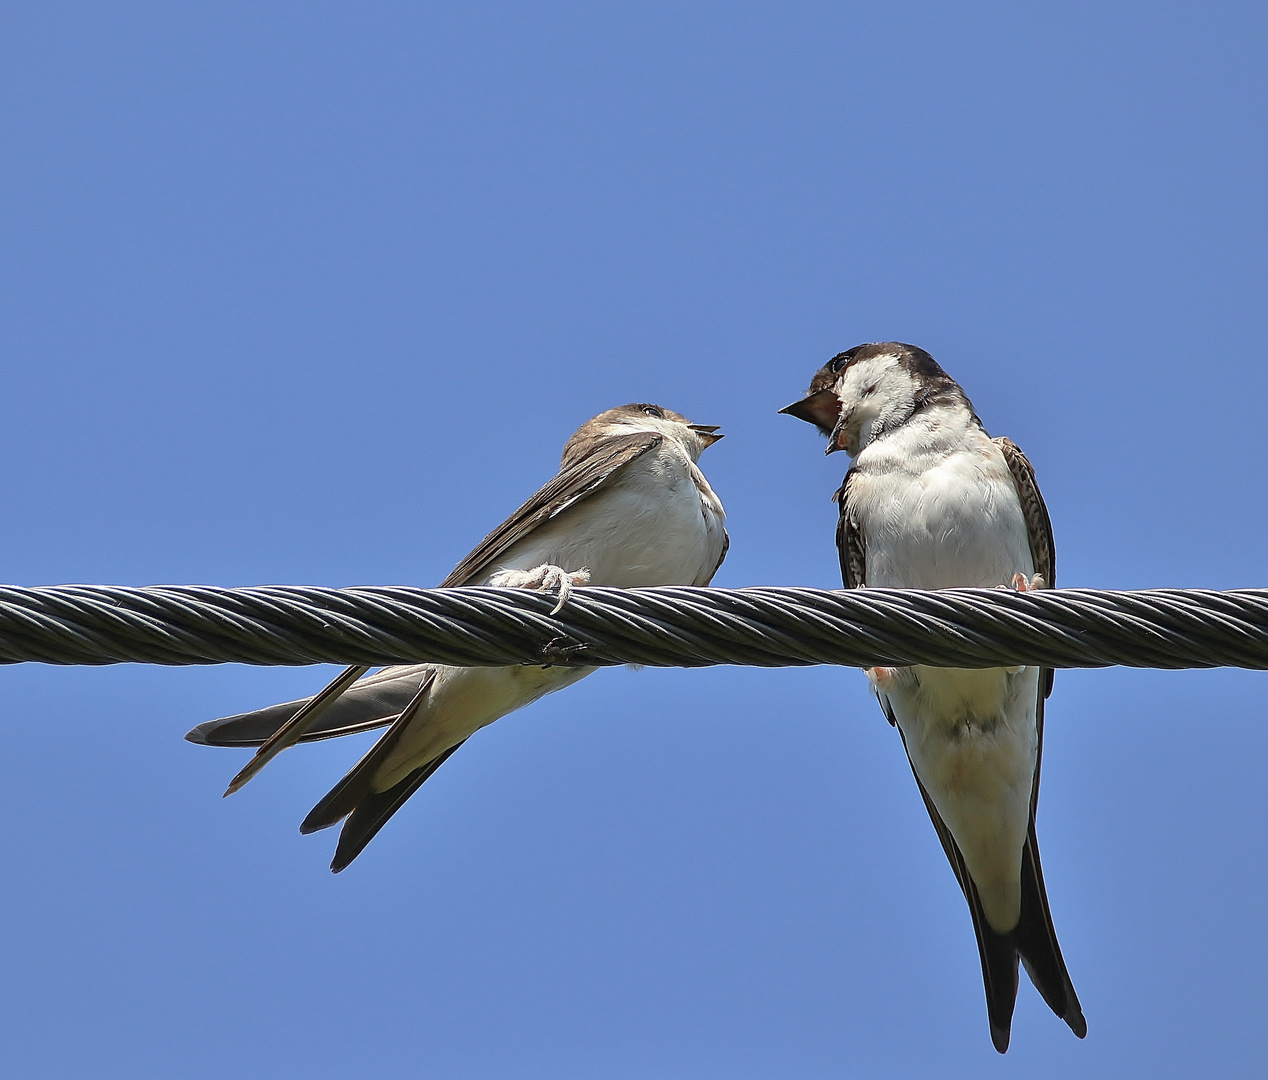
544 578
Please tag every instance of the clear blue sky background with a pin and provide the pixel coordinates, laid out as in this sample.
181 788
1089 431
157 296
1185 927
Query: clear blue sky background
314 293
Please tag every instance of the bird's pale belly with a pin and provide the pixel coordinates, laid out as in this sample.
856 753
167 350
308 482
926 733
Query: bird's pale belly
971 734
972 739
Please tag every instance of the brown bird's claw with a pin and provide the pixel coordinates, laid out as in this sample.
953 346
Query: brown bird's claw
543 578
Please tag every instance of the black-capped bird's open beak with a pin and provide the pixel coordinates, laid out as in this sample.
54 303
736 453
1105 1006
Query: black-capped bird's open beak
708 432
836 441
822 409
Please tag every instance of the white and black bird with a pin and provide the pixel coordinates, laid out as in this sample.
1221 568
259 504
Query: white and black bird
933 502
629 508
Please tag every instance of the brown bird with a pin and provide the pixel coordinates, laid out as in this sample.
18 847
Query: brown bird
628 508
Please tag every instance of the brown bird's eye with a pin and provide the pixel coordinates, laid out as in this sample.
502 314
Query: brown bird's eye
651 410
838 362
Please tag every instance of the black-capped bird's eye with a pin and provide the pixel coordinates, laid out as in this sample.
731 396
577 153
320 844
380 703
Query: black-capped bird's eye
651 410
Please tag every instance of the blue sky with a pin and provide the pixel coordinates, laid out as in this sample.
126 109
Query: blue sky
314 293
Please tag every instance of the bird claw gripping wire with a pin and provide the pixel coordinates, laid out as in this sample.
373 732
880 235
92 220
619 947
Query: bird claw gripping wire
543 578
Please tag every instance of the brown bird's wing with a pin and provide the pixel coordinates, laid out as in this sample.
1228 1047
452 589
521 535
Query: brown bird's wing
1039 526
370 703
576 481
353 800
726 546
395 695
376 701
1034 937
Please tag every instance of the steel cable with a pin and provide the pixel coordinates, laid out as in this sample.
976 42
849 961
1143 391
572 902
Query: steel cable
661 627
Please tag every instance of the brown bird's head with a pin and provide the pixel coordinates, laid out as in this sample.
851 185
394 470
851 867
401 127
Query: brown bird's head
643 416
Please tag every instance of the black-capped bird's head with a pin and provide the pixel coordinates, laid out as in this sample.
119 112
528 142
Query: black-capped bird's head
862 393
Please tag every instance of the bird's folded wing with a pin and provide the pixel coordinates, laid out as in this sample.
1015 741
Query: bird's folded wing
1043 548
373 702
376 701
577 480
850 545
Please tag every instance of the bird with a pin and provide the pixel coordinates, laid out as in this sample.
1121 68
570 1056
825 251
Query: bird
931 501
628 508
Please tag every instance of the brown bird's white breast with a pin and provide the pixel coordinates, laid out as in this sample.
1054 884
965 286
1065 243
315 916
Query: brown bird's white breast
658 523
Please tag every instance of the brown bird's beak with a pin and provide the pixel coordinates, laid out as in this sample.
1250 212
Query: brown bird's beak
708 432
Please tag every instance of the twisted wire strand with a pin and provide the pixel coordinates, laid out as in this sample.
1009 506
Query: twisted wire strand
660 627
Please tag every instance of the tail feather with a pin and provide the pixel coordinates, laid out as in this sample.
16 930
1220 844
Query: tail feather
999 974
343 798
372 703
1033 940
374 809
366 811
1036 941
996 951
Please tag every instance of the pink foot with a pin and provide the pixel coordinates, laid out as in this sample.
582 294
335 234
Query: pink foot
1021 583
882 678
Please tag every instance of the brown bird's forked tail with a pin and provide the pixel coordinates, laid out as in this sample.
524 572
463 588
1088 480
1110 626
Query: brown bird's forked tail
296 727
374 809
354 797
373 702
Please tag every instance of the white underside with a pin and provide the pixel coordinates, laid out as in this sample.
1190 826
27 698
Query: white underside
932 518
658 523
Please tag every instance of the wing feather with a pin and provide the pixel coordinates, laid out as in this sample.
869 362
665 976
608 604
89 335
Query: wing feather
850 543
376 701
1043 549
353 800
1039 526
574 482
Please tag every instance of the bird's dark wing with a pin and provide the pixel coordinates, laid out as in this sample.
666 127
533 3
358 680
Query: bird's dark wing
850 544
1043 549
394 695
576 481
726 546
376 701
1039 526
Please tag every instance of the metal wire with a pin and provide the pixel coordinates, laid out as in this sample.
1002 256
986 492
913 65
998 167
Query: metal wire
661 627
